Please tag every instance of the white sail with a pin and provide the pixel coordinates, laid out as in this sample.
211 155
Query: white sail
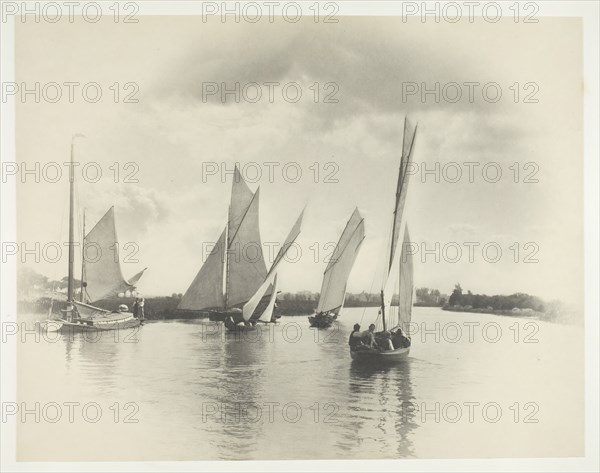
241 197
402 187
206 290
405 292
101 266
267 315
398 225
333 288
253 302
240 261
403 280
246 267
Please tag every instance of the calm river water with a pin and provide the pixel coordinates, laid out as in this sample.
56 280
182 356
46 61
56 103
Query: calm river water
474 385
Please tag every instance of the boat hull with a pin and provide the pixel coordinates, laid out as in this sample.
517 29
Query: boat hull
322 320
93 325
377 356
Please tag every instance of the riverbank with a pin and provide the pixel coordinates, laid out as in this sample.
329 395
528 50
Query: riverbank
529 313
165 308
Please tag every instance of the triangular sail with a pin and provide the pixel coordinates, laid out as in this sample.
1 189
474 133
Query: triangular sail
135 278
101 266
333 289
241 197
405 292
402 186
289 241
206 290
253 302
403 280
246 267
267 315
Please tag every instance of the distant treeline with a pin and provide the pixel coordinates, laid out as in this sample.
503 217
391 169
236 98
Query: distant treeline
426 297
305 302
518 300
165 307
35 291
518 304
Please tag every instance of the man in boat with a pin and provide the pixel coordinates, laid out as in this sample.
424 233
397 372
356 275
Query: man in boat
385 341
229 323
355 339
399 339
368 337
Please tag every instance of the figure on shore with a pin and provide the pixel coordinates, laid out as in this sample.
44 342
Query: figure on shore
141 309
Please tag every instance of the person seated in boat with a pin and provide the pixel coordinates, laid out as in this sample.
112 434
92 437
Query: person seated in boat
369 337
355 339
385 342
399 339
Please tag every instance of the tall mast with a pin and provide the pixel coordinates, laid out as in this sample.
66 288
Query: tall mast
383 311
82 259
226 261
398 190
71 226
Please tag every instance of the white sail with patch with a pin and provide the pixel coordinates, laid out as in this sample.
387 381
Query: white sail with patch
102 272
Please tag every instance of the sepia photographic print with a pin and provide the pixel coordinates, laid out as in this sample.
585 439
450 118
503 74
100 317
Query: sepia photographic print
339 236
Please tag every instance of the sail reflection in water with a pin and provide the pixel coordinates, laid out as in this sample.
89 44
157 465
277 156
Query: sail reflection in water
289 392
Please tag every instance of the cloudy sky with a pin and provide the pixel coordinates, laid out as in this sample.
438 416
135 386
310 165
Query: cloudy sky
173 132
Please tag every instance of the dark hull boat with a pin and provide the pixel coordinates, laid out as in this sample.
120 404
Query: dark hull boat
391 344
335 277
322 320
233 281
387 349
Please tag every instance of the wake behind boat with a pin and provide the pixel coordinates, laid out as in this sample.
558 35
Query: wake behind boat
335 277
391 342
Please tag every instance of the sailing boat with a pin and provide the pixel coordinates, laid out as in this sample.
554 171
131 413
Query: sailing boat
101 276
235 270
250 314
335 277
101 273
391 340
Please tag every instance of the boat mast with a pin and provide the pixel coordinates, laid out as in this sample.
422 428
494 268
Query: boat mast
227 241
71 234
398 190
383 311
226 260
82 260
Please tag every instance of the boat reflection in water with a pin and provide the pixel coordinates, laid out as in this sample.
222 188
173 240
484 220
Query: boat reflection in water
389 389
